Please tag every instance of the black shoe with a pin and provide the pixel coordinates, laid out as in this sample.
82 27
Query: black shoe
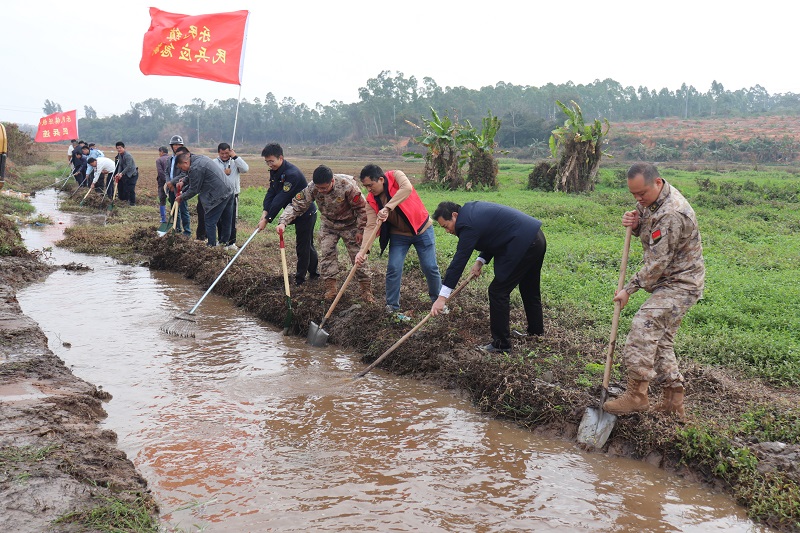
313 277
491 348
298 281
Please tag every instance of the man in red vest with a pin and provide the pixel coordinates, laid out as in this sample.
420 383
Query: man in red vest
405 222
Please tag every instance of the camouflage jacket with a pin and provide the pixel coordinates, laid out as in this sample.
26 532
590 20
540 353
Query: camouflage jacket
340 208
673 253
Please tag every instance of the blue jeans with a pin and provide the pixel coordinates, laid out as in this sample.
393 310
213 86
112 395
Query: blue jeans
425 244
220 213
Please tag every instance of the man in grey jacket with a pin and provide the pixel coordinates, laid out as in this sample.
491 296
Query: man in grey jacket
127 175
204 178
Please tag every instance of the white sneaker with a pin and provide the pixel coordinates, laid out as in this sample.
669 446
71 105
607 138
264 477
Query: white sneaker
232 247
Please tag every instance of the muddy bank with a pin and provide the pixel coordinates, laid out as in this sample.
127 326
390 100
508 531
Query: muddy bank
54 458
732 439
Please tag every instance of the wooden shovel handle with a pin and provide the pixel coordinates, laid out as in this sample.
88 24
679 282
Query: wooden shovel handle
403 339
285 269
617 310
349 277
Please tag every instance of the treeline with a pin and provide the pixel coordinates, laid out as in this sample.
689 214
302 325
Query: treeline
389 102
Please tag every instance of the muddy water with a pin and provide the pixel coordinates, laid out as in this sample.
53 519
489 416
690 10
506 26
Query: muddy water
243 430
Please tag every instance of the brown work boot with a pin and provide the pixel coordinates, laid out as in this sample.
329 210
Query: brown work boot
633 401
672 401
366 291
332 289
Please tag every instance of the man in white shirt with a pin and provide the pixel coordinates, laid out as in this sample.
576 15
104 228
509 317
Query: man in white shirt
232 165
103 169
71 148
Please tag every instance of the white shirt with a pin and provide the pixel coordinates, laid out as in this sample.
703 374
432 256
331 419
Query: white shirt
104 164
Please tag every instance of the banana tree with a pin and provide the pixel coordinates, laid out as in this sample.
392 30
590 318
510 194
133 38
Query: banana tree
444 141
480 148
577 147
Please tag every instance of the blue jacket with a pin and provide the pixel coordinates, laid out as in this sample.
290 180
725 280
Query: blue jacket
496 231
284 184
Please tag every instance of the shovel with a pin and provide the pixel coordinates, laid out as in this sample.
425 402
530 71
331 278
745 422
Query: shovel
84 198
164 228
316 335
113 197
597 424
405 337
287 323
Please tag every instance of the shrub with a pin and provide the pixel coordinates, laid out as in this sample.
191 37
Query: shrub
543 177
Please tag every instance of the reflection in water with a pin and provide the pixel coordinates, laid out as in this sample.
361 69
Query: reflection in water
270 434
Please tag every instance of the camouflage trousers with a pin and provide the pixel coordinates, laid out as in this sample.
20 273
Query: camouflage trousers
329 254
649 350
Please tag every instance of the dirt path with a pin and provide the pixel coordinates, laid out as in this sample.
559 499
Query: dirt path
54 458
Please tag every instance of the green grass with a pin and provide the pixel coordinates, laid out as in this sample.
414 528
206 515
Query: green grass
112 514
17 462
749 318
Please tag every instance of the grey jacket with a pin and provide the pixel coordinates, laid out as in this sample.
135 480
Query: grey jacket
206 180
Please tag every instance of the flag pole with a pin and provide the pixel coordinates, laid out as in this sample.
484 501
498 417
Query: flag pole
236 118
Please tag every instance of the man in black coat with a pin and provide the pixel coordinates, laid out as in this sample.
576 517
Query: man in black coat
285 182
517 244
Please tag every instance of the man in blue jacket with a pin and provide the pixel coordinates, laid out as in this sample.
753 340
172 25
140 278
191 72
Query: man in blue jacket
285 182
517 244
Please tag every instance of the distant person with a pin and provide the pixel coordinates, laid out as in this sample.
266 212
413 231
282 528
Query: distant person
344 216
393 201
127 174
232 165
184 219
94 152
673 271
70 149
206 179
162 173
516 243
286 181
79 167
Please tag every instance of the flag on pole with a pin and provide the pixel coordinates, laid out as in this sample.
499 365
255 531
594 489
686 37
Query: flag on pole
210 47
57 127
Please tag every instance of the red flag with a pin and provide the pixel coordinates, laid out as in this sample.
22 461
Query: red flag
210 47
57 127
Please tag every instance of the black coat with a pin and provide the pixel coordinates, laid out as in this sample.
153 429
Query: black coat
284 184
496 231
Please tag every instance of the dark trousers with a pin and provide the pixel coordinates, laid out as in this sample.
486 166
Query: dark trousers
234 216
307 258
527 275
126 189
220 213
234 213
201 221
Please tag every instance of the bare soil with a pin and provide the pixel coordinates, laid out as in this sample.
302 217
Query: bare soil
54 458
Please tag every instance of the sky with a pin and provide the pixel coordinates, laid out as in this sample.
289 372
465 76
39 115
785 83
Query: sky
87 54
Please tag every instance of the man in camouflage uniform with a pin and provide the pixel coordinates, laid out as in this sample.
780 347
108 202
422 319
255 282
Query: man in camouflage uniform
343 213
673 272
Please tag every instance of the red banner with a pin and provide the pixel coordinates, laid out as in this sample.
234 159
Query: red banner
57 127
210 47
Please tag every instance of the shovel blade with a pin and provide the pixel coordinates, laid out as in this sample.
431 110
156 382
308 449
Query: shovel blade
164 228
595 427
316 335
